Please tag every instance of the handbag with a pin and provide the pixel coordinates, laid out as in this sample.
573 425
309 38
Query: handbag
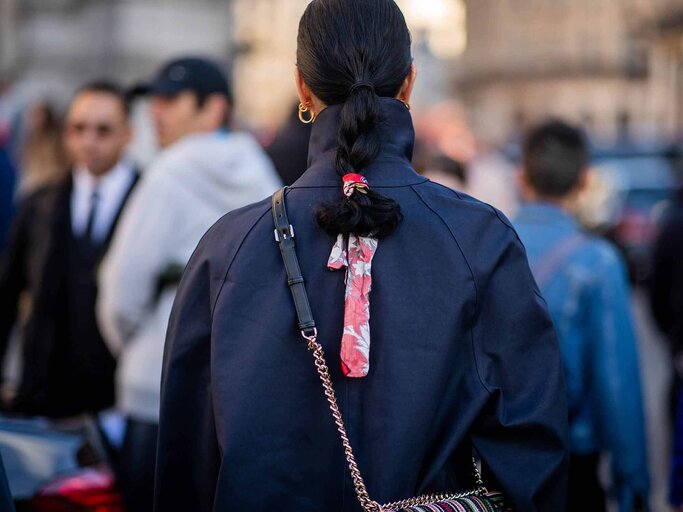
477 500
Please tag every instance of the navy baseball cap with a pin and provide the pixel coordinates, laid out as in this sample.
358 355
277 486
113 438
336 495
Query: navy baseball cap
196 74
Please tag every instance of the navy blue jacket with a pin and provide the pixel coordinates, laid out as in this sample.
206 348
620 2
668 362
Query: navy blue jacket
463 353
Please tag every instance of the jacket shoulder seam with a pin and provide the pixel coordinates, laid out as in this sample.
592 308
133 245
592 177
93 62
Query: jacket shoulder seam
474 282
229 266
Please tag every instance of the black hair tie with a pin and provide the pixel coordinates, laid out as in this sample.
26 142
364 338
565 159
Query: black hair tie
360 84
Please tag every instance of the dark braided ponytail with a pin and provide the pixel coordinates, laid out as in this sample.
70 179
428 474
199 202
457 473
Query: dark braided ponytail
351 52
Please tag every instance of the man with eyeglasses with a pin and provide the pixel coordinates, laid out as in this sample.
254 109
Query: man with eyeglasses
47 272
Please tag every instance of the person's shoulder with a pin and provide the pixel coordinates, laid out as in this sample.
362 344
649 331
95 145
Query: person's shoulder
170 158
205 151
600 257
603 249
481 232
216 142
463 210
233 227
45 194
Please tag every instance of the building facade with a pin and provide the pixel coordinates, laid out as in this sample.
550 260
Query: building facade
50 47
590 61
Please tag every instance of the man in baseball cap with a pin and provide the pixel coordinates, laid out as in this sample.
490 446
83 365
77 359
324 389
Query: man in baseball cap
203 171
188 95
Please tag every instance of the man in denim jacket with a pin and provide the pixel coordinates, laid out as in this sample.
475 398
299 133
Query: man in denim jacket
583 279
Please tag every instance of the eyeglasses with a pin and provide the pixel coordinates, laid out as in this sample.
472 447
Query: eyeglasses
101 130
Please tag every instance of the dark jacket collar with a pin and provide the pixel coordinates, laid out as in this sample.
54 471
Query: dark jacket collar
392 166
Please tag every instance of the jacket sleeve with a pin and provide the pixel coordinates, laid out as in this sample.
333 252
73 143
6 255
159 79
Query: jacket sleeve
617 402
129 275
13 275
521 434
188 457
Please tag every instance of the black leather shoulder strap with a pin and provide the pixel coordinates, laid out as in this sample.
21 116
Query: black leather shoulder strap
284 235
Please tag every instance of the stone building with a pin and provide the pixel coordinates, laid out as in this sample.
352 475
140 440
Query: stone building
48 47
664 35
265 38
591 61
51 46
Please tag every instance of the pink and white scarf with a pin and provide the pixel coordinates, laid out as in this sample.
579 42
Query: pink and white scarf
355 253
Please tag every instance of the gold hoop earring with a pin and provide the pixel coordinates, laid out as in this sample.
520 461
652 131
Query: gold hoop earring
302 111
406 104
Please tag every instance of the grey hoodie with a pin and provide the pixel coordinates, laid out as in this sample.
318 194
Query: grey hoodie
186 190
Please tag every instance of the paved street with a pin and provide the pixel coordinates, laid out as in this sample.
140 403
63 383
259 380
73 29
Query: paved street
656 375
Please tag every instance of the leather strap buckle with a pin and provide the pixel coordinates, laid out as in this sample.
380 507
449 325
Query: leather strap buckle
287 232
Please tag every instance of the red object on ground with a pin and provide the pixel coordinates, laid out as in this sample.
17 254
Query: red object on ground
92 489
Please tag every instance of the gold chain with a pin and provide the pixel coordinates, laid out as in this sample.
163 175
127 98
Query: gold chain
363 497
324 373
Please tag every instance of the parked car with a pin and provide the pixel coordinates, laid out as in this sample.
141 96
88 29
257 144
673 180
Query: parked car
640 187
58 466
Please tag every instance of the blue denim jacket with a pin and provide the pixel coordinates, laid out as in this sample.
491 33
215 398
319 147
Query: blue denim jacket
588 300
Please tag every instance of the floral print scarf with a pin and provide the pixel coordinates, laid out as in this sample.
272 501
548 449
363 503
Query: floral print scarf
355 253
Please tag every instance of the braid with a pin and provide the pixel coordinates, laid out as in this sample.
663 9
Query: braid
358 140
351 53
368 214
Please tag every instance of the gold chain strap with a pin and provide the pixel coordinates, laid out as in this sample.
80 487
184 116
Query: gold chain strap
324 373
359 485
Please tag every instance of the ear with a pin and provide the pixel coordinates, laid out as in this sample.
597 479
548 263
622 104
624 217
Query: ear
304 92
408 84
216 108
128 135
583 181
525 188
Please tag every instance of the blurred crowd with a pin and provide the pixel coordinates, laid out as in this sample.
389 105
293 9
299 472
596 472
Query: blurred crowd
93 247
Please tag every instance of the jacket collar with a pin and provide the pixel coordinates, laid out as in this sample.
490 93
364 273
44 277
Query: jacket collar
392 166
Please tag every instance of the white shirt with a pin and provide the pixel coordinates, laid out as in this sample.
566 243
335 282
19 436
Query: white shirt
111 190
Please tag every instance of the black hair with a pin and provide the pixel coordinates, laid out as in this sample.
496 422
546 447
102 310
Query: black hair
201 98
351 52
449 166
554 155
108 87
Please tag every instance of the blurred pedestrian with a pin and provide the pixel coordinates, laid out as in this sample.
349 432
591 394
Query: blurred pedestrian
492 180
289 149
204 171
458 352
42 159
666 285
584 281
666 295
58 237
445 171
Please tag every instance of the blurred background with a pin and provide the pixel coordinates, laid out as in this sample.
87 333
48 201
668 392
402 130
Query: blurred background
614 66
487 70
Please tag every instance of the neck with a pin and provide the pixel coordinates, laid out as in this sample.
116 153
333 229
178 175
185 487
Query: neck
392 165
395 127
98 173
